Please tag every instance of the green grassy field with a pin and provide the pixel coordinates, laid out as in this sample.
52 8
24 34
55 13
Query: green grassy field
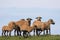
46 37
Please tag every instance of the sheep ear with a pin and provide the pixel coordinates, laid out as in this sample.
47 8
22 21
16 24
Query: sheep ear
36 18
51 20
30 19
22 19
40 17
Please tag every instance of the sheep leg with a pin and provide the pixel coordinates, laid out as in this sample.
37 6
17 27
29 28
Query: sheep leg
2 33
37 32
7 33
10 33
14 32
29 34
20 33
17 33
49 31
34 32
25 34
44 32
40 32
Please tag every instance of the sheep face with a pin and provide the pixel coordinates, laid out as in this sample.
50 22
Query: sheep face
51 21
29 20
39 18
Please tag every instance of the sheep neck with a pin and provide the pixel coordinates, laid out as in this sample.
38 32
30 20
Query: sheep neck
48 23
29 23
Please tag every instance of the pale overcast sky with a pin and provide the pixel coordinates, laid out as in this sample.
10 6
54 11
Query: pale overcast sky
30 3
14 10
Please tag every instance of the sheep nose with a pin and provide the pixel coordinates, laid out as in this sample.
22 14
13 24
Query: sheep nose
53 23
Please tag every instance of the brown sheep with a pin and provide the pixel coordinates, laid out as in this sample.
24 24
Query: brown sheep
19 24
26 29
8 29
42 26
4 28
38 19
23 22
51 21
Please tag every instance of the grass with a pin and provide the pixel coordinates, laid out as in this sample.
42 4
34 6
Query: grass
46 37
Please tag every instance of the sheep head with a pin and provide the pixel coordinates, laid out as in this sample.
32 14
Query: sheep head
51 21
12 24
39 18
29 21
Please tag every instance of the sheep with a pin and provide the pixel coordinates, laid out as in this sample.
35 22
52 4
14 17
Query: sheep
4 30
42 26
21 22
50 21
38 19
26 29
8 29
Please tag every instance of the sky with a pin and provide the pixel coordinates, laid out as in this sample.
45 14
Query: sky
14 10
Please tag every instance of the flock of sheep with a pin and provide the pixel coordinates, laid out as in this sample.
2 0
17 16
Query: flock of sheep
25 26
